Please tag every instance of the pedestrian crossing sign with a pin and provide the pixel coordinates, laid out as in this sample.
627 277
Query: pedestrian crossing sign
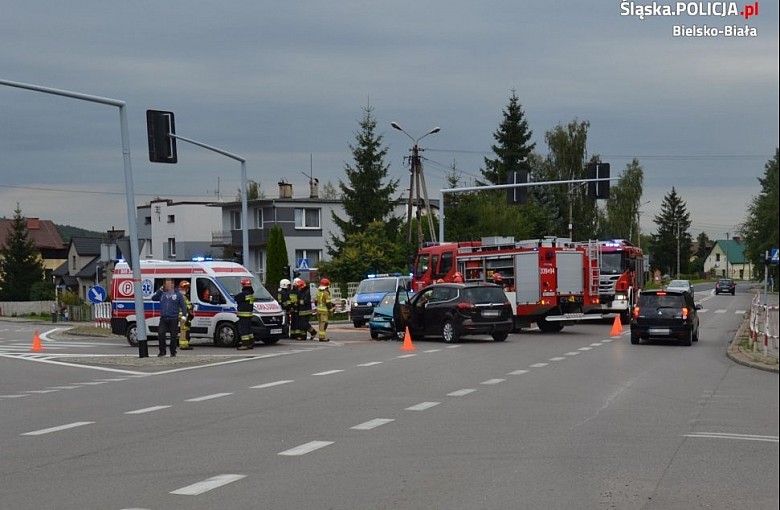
303 264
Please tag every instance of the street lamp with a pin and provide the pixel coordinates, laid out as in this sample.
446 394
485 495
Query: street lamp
417 176
639 224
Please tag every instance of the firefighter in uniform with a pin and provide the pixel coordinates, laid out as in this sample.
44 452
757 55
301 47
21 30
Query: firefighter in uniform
185 321
246 302
295 331
304 311
324 306
283 297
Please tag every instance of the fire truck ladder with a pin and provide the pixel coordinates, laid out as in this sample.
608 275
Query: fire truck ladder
594 266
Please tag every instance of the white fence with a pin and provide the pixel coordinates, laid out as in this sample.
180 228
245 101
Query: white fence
764 327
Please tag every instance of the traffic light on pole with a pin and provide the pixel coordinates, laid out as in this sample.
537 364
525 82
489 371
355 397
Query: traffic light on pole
162 147
598 189
517 195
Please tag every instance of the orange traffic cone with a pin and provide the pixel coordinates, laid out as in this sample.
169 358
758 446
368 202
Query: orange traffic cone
617 327
36 346
408 345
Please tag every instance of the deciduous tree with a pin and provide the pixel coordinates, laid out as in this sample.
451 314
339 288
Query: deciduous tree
760 228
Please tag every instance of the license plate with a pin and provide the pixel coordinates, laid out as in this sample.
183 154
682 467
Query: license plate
658 331
490 313
276 331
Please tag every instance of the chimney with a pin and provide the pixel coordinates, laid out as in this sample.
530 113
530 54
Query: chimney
314 188
285 189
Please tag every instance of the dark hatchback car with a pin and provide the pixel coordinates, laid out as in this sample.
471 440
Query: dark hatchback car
454 310
726 286
665 314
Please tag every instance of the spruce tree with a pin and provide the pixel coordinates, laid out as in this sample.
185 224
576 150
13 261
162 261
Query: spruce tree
366 196
276 259
512 147
672 236
20 262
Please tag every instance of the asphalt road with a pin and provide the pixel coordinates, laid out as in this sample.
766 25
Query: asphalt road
580 419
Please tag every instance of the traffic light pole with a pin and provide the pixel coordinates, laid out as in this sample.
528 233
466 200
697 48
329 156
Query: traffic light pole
244 207
504 186
129 197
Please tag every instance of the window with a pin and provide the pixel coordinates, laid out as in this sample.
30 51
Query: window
307 218
235 220
171 247
259 218
171 218
149 244
73 263
717 257
312 256
147 220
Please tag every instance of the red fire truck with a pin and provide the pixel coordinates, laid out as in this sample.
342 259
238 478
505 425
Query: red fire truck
551 281
622 276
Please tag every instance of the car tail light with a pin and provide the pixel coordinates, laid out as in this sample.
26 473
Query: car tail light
636 312
466 307
685 312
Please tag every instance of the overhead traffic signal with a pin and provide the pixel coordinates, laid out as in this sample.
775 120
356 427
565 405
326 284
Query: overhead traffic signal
519 195
598 189
162 147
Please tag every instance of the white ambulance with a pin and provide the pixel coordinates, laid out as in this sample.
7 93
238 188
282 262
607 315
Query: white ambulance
212 285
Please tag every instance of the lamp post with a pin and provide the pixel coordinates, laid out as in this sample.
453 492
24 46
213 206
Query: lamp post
639 225
417 180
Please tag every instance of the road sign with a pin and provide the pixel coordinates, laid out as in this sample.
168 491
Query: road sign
303 264
96 294
773 256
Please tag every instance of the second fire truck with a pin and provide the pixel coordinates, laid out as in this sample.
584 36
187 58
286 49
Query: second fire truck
551 281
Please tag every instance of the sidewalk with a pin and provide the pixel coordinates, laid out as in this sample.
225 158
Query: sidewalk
739 352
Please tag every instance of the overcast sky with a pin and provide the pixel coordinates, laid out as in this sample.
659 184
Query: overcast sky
284 84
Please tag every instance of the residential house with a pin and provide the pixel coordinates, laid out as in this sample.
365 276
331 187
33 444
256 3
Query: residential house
45 237
169 230
727 259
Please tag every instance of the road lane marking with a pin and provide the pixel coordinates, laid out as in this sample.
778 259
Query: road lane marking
741 437
585 348
720 311
14 396
538 365
557 358
41 391
147 410
460 393
432 350
305 448
606 341
370 364
328 372
406 356
57 429
372 424
597 344
422 406
572 353
207 397
518 372
270 384
493 381
206 485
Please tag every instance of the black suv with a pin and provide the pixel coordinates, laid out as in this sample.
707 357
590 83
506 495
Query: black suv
725 286
665 314
453 310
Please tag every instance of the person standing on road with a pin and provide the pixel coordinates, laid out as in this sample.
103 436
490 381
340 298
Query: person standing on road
324 305
171 305
246 304
186 319
283 297
295 294
304 312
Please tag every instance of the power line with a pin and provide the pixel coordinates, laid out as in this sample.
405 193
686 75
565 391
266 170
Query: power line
89 192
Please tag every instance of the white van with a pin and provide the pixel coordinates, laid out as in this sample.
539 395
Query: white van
212 285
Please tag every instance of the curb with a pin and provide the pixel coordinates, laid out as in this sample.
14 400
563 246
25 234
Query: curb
737 354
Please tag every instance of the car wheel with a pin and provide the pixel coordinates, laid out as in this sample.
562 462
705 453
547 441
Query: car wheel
226 335
132 334
500 337
449 333
358 324
548 327
374 335
270 341
696 335
688 341
634 340
733 292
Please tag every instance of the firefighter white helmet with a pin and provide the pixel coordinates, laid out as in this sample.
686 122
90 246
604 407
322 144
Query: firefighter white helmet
284 283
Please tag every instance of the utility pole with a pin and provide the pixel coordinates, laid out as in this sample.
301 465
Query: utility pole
678 248
417 183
